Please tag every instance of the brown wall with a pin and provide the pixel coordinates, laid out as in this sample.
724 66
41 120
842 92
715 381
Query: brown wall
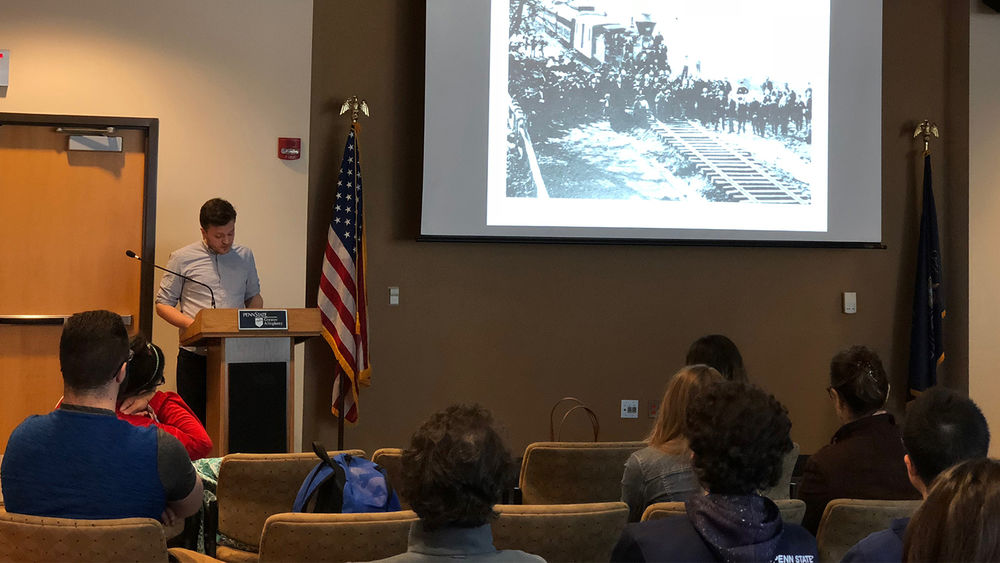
517 326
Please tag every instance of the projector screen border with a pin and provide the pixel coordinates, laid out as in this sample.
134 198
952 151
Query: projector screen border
653 242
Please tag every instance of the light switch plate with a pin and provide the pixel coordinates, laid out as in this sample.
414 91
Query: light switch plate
850 302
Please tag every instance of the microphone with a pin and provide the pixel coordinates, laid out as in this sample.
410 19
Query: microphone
131 254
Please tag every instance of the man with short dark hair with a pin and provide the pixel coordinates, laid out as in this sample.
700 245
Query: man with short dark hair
228 268
80 460
454 471
942 429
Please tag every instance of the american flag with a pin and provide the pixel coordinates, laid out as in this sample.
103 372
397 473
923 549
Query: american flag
342 297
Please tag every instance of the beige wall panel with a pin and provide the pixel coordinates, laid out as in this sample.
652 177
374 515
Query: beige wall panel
984 211
226 78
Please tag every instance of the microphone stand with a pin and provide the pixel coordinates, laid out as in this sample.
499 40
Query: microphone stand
131 254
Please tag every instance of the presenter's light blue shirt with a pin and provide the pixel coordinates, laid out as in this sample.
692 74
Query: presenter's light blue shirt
232 276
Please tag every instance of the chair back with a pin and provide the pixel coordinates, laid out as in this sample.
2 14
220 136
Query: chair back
574 472
792 510
391 459
783 489
659 510
254 486
561 532
845 522
39 539
332 538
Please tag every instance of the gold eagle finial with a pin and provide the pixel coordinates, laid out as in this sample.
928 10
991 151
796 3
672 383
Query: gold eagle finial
927 129
356 107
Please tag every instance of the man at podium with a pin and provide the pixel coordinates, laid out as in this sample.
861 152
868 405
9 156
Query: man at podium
220 274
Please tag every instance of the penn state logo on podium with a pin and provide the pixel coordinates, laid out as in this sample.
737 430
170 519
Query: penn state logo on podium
263 319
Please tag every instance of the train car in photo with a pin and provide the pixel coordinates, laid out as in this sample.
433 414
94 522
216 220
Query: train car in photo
590 32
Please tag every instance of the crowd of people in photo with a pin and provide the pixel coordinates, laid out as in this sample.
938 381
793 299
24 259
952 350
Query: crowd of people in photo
636 81
718 444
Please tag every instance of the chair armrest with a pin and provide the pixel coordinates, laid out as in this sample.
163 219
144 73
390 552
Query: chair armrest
182 555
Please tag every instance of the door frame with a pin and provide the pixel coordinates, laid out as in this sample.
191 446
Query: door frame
151 127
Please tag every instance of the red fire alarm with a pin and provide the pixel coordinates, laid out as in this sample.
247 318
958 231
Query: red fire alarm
289 148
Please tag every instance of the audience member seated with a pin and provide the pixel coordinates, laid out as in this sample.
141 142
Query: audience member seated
942 428
960 518
662 472
738 435
719 352
80 460
864 460
142 405
453 473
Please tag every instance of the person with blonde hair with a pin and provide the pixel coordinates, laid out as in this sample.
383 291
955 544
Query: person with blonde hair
662 472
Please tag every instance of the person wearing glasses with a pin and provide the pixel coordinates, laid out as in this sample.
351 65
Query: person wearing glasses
864 459
80 460
141 404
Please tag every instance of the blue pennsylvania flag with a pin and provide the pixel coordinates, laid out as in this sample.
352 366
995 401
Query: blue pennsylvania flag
926 335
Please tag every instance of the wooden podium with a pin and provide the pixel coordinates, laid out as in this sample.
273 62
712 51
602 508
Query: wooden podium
236 360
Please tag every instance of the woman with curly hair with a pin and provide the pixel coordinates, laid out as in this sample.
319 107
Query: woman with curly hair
738 435
662 472
454 471
960 519
865 457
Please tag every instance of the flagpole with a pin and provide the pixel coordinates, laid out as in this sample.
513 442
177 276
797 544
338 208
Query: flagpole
340 408
357 107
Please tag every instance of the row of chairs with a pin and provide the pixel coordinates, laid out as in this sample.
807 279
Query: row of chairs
580 483
574 532
581 532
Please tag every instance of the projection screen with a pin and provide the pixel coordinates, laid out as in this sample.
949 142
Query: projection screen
688 120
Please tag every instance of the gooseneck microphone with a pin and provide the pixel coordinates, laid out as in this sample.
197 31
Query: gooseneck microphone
131 254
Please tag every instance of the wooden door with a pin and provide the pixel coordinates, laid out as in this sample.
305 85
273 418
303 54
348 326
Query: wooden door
66 218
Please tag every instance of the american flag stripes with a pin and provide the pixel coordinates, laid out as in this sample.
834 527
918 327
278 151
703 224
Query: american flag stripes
342 296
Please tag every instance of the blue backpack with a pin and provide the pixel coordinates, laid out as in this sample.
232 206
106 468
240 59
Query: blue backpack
345 484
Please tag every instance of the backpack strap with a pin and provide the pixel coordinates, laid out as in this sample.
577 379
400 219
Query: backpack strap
320 452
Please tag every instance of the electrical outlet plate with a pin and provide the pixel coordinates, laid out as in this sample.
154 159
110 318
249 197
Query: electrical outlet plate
630 408
654 408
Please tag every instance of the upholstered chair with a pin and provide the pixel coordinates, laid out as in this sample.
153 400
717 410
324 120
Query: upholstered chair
574 472
783 489
561 532
333 538
792 510
32 539
391 459
253 487
845 522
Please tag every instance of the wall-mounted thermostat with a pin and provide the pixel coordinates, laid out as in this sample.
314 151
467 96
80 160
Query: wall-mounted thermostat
4 67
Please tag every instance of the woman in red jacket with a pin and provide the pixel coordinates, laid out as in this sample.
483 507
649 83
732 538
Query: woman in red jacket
141 404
